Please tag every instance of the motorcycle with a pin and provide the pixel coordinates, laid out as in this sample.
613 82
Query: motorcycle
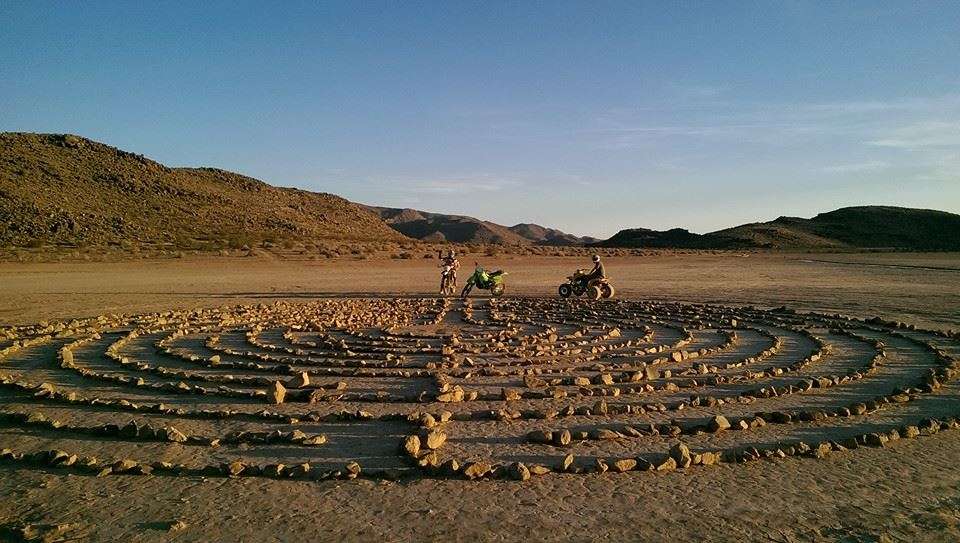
492 281
448 280
578 284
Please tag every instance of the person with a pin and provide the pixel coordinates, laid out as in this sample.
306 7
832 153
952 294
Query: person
597 273
454 265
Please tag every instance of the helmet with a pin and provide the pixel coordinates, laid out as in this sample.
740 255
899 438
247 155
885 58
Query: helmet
596 258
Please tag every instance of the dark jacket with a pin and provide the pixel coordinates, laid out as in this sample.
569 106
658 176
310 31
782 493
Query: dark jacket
597 272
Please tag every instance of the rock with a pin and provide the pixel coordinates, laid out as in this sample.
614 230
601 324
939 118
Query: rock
540 436
174 435
566 463
876 440
605 379
539 469
680 453
318 439
353 470
667 465
562 438
436 439
301 380
411 446
299 471
519 472
624 464
124 466
177 525
601 465
718 423
651 373
603 434
709 458
476 470
453 395
277 392
510 394
234 469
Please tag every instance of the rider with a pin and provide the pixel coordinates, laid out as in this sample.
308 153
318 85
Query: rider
597 273
451 260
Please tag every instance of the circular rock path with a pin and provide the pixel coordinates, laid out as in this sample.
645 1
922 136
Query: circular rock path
506 388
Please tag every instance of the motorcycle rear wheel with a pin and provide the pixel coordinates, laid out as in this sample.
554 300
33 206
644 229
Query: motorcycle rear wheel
594 293
607 291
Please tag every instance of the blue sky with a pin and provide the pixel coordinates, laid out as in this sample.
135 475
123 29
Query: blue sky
586 116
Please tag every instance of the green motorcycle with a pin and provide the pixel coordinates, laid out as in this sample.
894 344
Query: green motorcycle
482 279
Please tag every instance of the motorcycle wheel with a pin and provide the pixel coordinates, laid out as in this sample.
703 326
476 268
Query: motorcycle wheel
593 293
565 290
497 289
607 291
466 290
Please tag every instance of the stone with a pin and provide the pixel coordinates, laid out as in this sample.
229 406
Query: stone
476 470
174 435
301 380
566 463
436 439
277 393
510 394
411 446
318 439
680 453
667 465
624 464
353 470
718 423
124 466
540 436
519 472
234 469
539 469
562 438
603 434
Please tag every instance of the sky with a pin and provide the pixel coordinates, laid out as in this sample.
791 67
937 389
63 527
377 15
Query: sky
584 116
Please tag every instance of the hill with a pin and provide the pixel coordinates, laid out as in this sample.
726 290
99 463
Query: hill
439 228
864 227
68 190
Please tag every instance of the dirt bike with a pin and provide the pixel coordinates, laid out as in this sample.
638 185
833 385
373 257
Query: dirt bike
579 284
492 281
448 280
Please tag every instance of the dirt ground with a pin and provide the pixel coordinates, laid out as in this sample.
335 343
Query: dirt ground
906 491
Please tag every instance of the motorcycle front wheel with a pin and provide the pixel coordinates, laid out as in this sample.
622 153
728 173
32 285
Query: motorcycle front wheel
497 289
565 290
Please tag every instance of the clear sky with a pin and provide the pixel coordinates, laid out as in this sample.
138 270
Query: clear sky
587 116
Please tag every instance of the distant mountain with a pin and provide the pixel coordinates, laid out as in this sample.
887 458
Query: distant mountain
64 189
643 237
549 236
439 228
864 227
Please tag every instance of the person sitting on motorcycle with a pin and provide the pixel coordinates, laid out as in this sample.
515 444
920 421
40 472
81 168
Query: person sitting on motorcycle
454 264
597 274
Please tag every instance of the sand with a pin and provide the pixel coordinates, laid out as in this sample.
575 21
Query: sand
906 491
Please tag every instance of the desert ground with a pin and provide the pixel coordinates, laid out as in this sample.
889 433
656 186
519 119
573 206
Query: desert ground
718 397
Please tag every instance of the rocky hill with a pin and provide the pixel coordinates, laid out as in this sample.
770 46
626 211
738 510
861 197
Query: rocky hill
439 228
67 190
864 227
